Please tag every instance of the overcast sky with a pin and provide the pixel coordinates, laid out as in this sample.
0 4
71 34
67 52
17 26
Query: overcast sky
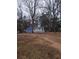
25 9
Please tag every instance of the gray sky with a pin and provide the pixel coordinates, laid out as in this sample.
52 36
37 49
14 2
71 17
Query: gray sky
25 8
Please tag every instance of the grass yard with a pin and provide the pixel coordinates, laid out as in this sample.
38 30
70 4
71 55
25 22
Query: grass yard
39 45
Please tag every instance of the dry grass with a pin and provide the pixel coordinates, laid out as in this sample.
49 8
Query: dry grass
38 46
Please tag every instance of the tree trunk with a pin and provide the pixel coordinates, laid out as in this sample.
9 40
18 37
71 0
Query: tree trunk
32 25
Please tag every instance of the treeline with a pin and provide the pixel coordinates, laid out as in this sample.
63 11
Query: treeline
50 25
22 25
49 15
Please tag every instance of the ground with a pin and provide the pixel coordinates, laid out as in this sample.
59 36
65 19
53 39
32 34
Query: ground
39 45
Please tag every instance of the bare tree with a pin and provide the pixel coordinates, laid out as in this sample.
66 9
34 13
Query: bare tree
51 8
54 10
31 4
19 10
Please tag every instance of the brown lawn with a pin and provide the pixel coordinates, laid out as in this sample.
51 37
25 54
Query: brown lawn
39 45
